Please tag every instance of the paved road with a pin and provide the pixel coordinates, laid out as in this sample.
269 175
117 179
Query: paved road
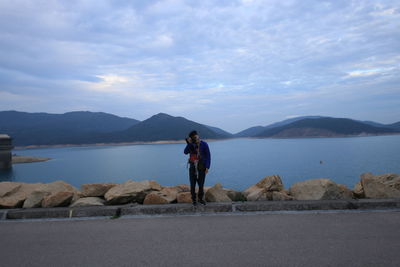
301 239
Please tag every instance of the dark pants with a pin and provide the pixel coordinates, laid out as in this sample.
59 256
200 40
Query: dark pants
196 178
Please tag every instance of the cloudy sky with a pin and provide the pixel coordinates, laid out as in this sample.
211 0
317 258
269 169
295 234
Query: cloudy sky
231 64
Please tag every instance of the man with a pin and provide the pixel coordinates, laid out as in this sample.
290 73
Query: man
199 160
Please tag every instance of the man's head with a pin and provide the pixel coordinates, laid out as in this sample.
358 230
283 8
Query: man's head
194 136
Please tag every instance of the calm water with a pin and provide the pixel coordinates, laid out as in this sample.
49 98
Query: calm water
236 163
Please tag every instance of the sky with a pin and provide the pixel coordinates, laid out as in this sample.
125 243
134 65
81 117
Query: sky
230 64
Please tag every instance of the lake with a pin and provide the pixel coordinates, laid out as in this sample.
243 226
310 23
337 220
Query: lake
236 163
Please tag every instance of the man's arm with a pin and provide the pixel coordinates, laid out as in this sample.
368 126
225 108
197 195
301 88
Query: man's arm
189 148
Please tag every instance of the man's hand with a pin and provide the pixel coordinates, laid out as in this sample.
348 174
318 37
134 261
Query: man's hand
206 171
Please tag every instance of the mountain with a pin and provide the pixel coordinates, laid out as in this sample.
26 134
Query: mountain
49 129
165 127
250 132
395 125
375 124
324 127
89 128
254 131
288 121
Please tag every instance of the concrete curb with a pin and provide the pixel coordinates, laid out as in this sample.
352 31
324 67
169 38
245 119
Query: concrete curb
187 208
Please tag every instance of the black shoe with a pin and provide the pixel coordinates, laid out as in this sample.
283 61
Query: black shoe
202 202
194 203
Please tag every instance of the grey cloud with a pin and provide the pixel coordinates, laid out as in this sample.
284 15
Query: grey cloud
276 49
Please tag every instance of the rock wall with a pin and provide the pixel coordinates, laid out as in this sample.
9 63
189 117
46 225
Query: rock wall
270 188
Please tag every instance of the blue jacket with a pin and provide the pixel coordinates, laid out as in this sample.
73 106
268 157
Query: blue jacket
205 155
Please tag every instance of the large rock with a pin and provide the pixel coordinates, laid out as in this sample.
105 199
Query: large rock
234 195
264 188
184 197
255 193
171 192
381 186
271 183
59 199
15 196
280 196
9 188
88 201
346 192
96 190
60 186
130 191
34 200
253 189
358 190
157 197
217 194
183 188
316 189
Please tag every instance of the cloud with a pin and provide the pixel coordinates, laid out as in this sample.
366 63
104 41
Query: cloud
363 73
250 62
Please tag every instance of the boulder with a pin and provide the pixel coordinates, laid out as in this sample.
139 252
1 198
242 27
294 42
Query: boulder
206 188
15 197
252 189
183 188
153 185
316 189
184 197
130 191
346 192
9 188
255 193
88 201
271 183
96 190
60 186
358 190
171 192
264 188
280 196
157 197
59 199
381 186
217 194
34 200
234 195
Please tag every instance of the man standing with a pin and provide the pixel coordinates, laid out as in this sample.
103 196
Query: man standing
199 160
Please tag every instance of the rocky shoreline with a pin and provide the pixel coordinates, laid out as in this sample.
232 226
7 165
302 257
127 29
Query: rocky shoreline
60 194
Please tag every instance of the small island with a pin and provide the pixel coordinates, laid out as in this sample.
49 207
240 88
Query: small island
17 159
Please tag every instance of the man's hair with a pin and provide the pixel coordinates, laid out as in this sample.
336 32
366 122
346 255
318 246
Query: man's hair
192 133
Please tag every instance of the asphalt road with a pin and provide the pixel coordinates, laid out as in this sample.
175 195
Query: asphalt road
301 239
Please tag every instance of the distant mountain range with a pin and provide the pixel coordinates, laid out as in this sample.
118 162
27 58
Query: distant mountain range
254 131
324 127
83 127
319 126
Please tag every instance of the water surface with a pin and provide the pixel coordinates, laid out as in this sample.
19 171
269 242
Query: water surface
236 163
